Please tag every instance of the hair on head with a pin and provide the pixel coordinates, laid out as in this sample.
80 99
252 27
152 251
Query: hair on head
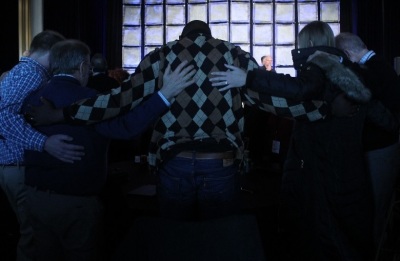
195 26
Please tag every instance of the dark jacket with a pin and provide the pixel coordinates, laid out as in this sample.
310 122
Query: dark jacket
385 87
86 176
101 82
325 190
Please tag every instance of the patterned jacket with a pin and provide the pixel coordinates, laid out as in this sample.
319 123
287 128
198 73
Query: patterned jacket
200 112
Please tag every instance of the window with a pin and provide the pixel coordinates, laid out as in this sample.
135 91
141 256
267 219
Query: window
259 27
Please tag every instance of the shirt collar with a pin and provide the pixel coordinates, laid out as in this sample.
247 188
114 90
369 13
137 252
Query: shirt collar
366 57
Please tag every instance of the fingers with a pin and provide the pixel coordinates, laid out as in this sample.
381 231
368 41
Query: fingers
216 74
221 82
225 88
185 72
60 147
180 66
188 70
168 70
63 137
70 153
231 67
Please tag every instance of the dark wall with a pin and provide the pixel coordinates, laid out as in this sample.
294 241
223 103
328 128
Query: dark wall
96 22
9 40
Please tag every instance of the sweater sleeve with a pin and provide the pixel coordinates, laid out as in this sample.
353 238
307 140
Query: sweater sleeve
119 100
288 96
134 122
309 84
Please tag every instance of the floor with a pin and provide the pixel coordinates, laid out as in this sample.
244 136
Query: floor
260 196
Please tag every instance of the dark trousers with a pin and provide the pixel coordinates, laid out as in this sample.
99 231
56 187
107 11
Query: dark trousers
65 227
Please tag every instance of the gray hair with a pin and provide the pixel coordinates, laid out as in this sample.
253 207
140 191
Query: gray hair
349 41
66 56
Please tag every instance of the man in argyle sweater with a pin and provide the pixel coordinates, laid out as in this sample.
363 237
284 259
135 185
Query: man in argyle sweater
197 145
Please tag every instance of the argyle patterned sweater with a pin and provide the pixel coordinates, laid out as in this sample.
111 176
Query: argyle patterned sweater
200 112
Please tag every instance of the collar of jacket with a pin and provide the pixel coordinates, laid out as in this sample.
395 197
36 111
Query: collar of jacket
335 71
301 55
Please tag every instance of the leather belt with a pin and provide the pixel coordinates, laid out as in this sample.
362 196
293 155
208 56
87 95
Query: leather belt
206 155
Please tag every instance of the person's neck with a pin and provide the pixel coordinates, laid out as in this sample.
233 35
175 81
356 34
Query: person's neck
42 58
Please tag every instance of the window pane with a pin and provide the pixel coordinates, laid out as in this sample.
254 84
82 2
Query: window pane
220 31
240 33
175 14
335 28
283 55
132 36
153 35
132 1
197 12
154 14
308 12
218 12
285 34
131 56
240 12
173 32
175 1
330 12
262 13
284 13
131 15
262 34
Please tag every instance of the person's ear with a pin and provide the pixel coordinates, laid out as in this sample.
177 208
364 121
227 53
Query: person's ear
81 69
348 53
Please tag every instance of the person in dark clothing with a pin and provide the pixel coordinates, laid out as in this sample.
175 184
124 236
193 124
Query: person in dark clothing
326 201
99 78
381 145
63 202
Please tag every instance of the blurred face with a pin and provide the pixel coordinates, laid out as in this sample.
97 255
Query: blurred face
267 61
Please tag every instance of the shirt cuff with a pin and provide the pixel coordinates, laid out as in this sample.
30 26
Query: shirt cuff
164 99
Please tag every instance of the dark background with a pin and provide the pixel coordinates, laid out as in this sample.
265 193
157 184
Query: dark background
99 22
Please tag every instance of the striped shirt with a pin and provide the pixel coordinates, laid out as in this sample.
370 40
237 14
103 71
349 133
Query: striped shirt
200 112
15 134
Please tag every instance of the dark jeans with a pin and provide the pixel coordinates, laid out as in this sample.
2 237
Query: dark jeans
198 188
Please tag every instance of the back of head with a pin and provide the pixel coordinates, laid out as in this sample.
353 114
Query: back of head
66 56
349 42
195 26
316 33
44 40
99 63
